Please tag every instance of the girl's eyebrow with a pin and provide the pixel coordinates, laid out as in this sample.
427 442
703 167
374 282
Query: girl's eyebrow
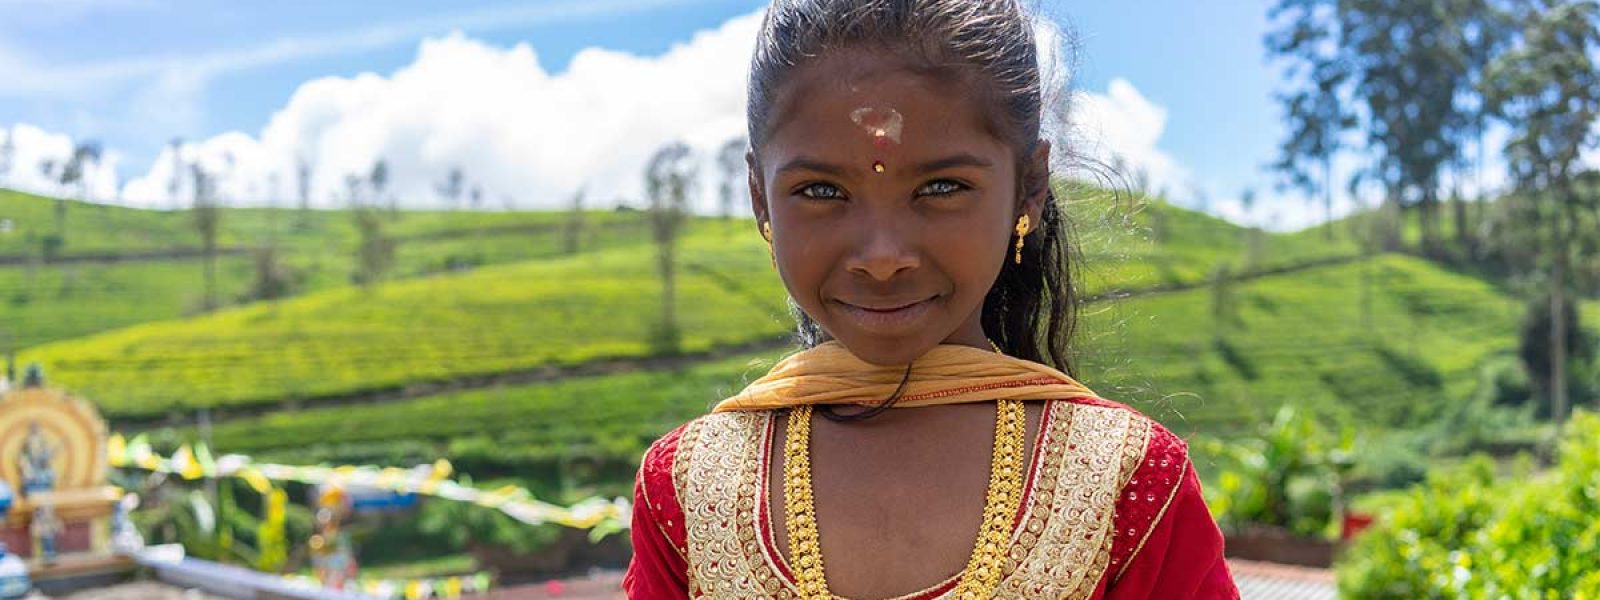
805 163
956 160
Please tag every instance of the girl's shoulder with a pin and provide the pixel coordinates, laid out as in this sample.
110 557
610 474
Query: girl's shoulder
660 458
1161 442
729 432
1151 462
1153 459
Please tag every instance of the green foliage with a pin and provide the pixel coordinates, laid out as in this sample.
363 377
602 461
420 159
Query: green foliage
374 251
1468 534
244 532
464 525
1534 350
273 279
1290 476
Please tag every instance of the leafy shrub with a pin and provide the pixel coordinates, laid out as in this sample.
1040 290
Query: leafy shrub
1289 477
1466 534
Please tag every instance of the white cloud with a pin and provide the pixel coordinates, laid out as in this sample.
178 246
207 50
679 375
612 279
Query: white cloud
31 159
1122 128
516 130
537 137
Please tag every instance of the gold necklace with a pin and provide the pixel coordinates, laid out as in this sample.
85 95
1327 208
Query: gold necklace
1004 496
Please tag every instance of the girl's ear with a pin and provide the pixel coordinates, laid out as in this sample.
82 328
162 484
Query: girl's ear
1036 184
758 192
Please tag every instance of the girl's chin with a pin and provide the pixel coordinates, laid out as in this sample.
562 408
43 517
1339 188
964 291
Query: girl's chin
886 352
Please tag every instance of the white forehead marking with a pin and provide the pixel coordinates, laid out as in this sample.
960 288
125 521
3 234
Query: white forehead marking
879 122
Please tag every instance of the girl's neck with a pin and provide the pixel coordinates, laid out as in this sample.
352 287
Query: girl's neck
971 334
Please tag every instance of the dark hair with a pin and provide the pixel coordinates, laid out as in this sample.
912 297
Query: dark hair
1031 311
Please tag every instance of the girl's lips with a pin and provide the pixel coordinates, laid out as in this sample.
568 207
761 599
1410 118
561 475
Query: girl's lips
889 320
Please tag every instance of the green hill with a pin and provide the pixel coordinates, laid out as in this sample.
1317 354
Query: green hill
344 374
494 319
123 266
99 229
346 341
1296 338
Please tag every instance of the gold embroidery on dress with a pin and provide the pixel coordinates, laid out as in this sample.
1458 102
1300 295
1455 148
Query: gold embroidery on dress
717 461
1074 540
1060 548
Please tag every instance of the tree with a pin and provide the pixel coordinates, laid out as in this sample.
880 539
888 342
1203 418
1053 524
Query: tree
1547 88
175 184
1254 238
1224 313
273 279
668 177
1316 114
1486 31
731 161
75 173
206 221
374 251
352 187
452 187
573 233
274 205
303 190
1408 72
379 180
8 150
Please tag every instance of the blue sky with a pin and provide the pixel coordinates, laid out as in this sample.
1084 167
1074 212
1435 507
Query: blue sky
135 73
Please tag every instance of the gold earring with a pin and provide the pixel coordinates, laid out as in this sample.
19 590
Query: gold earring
766 234
1022 230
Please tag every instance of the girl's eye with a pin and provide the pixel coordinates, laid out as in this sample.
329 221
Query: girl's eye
822 191
940 187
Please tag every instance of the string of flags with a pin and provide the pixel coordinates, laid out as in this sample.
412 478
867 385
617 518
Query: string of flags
196 462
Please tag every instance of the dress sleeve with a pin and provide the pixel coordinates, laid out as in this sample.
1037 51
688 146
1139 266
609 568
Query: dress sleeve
659 569
1167 544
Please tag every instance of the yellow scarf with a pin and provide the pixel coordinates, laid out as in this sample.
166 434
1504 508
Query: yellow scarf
947 374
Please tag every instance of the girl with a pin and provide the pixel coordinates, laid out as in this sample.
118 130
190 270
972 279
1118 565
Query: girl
927 442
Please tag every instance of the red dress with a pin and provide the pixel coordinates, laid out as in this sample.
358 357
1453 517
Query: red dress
1112 510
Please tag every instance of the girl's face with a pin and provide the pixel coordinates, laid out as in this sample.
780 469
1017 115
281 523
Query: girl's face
892 204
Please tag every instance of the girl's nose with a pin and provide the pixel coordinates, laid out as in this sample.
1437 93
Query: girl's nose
884 247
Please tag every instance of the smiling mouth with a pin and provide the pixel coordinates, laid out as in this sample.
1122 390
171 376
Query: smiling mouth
887 317
885 308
